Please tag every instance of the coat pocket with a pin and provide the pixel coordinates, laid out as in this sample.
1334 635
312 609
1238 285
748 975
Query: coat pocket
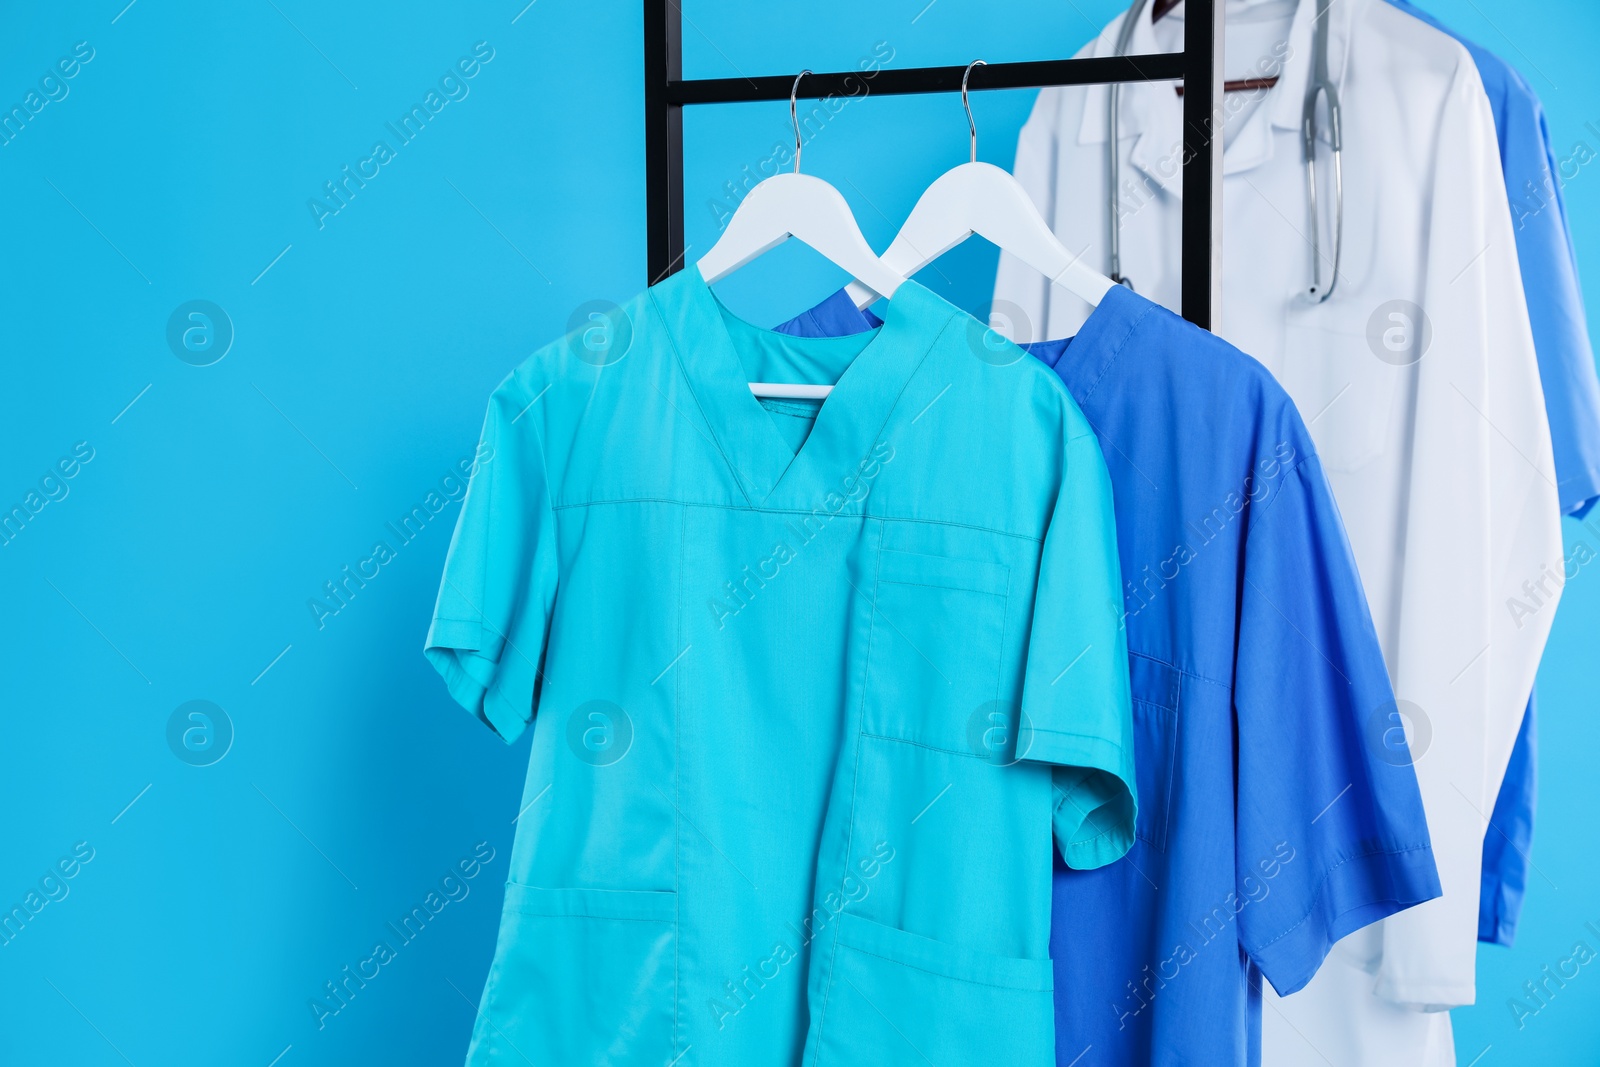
1345 393
581 976
897 998
933 672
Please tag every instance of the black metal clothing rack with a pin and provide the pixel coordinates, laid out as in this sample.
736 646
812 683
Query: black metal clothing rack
666 94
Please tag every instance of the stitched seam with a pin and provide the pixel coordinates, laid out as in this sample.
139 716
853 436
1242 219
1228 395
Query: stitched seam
1087 737
1116 355
688 381
941 974
1284 477
798 511
1180 670
889 412
1090 840
928 747
855 786
536 690
1161 803
893 407
1065 797
677 789
941 585
1000 653
1439 993
975 756
1328 874
905 384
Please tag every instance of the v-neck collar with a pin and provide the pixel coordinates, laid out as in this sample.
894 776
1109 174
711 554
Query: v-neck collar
850 419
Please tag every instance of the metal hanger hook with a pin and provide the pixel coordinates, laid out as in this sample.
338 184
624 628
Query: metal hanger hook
794 118
972 127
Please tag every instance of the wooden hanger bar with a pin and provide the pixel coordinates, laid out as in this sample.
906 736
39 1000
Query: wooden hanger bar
1238 85
1244 85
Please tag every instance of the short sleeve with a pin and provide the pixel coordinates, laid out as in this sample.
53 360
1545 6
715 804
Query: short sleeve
1331 830
491 620
1549 270
1075 699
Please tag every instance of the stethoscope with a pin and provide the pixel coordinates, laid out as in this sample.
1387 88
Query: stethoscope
1320 86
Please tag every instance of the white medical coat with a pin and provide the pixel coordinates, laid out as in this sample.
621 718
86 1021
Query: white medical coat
1441 464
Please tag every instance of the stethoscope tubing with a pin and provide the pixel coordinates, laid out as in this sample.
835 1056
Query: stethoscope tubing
1321 88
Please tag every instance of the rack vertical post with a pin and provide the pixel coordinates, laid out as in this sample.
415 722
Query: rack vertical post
1198 66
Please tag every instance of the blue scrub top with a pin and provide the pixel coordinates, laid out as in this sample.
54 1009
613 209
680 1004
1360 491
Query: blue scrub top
1278 810
1572 404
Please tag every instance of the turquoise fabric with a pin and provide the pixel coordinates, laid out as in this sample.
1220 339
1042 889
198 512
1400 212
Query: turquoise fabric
1271 824
799 740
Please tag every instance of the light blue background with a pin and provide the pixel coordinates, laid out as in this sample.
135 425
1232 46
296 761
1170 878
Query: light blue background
179 565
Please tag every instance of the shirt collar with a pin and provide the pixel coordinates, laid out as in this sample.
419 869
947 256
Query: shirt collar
1100 343
1153 113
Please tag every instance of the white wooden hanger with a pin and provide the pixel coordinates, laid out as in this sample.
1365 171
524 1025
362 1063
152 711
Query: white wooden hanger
980 198
812 211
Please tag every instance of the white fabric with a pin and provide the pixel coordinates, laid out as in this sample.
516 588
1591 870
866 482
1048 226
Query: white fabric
1442 468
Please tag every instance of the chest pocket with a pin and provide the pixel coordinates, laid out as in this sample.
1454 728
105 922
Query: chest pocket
1156 692
934 660
1346 391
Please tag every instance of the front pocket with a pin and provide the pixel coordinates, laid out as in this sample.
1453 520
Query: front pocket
581 976
897 998
933 672
1345 393
1155 733
1157 698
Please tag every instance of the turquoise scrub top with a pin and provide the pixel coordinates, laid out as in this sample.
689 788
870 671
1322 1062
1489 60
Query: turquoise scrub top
800 741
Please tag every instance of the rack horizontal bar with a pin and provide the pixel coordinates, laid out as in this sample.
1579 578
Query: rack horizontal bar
667 92
1098 70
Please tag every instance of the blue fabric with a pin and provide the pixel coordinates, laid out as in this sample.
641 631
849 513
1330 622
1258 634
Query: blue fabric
1506 843
1572 403
1549 272
1275 813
